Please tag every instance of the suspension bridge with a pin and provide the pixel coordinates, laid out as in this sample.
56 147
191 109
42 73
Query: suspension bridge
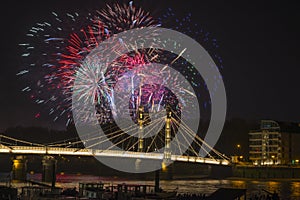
77 147
52 150
134 143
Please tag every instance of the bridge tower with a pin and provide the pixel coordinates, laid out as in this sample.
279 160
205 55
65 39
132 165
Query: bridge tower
167 168
141 130
49 169
167 150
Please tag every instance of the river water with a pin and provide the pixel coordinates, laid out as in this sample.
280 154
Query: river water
287 189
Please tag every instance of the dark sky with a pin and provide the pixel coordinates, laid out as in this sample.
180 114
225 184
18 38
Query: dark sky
259 44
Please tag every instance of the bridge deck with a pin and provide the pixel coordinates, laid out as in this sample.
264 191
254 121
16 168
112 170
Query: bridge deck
107 153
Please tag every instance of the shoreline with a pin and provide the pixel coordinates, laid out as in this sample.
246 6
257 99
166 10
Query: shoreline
264 179
176 178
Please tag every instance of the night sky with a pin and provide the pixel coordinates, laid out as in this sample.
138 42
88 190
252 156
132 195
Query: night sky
259 43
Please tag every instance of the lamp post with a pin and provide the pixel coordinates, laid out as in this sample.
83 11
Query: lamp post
239 156
273 159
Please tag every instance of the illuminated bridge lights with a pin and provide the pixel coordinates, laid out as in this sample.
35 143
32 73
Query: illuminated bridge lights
106 153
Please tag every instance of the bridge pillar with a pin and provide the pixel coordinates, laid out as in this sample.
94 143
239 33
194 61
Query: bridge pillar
141 131
49 169
167 171
167 166
19 169
167 150
157 186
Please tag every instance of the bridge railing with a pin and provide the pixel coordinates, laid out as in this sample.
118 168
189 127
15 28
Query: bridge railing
112 153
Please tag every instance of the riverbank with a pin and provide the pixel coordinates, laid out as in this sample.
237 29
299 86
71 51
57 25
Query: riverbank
286 188
266 172
263 179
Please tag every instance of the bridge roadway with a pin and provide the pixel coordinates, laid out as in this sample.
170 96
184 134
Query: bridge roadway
108 153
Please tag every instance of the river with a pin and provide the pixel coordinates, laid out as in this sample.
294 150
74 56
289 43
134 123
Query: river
287 189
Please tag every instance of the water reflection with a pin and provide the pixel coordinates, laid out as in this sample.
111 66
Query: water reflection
287 189
295 189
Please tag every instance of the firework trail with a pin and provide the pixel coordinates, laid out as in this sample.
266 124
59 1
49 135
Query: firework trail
55 52
118 18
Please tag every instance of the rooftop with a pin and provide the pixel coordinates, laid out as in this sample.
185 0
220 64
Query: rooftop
286 127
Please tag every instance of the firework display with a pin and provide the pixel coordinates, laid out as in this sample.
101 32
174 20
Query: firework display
55 52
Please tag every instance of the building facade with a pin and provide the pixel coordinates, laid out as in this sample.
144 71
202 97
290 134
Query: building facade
275 143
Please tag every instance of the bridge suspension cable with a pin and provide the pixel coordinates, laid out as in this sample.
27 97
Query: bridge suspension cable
197 137
128 138
14 140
